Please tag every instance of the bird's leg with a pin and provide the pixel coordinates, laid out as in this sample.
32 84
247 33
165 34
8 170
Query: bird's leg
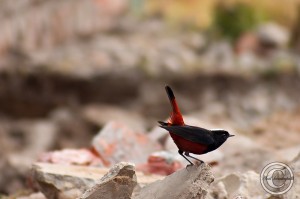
188 155
181 153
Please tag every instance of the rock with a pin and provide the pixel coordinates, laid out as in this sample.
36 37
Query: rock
161 163
296 163
248 61
74 131
283 123
33 138
272 34
118 183
101 115
69 181
294 192
243 154
247 42
195 40
11 178
28 138
62 182
192 182
288 154
158 134
219 56
235 185
145 179
72 157
38 195
44 131
21 142
116 142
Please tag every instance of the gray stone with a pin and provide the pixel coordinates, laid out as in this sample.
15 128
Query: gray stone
294 192
62 182
117 142
67 181
102 114
272 33
191 182
38 195
118 183
236 185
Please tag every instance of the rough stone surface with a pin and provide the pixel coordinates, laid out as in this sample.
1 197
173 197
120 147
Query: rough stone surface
61 181
283 122
56 181
117 142
102 114
158 134
294 192
161 163
288 154
118 183
38 195
243 154
274 34
72 157
235 185
192 182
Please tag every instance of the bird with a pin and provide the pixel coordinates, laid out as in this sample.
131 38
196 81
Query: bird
191 139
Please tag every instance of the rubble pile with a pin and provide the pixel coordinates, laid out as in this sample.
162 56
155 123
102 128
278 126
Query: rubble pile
84 172
81 89
192 182
97 171
124 182
121 181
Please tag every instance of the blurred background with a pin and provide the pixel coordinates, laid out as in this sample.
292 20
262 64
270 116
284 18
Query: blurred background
67 68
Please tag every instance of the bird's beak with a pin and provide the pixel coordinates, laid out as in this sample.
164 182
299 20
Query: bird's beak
231 135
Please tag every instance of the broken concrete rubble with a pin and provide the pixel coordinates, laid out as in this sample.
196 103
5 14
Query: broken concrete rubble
72 157
234 185
57 181
272 34
117 142
38 195
161 163
118 183
249 156
69 181
191 182
294 192
101 115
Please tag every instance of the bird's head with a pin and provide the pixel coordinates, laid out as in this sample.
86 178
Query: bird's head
221 136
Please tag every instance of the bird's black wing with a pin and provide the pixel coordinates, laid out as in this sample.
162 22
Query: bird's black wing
191 133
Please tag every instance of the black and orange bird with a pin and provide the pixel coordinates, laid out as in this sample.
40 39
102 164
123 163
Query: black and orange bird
191 139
